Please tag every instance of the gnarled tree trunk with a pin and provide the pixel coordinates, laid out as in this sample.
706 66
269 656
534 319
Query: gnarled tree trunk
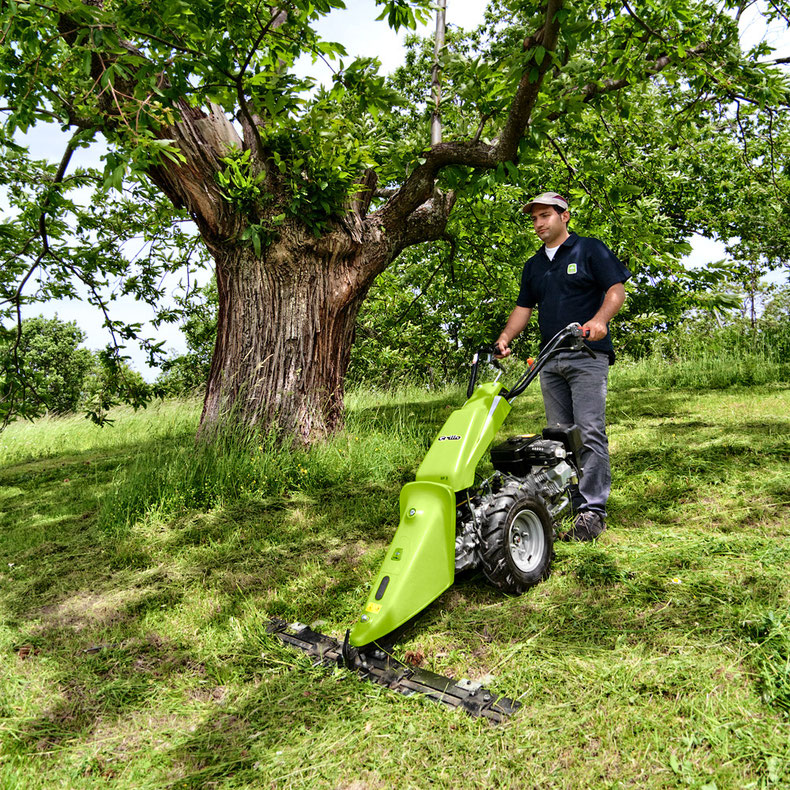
285 330
287 317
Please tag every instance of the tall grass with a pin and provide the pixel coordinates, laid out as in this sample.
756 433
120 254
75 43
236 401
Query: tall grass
698 356
383 439
710 370
386 434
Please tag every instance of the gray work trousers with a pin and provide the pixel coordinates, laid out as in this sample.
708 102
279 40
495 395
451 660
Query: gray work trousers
574 392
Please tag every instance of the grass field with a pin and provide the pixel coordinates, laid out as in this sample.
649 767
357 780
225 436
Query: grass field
137 575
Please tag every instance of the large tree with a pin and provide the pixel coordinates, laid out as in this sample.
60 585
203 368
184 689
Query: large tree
303 195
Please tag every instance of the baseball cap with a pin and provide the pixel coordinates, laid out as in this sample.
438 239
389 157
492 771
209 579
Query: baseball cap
546 199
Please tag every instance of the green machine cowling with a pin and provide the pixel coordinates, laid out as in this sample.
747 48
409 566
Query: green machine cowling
464 438
420 562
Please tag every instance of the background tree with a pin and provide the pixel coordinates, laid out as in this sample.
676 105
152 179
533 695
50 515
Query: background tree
111 381
60 377
55 366
188 372
69 236
302 199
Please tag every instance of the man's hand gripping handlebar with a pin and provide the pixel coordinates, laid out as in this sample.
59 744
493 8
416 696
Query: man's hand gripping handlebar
575 331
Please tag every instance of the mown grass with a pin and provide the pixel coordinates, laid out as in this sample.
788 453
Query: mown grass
137 575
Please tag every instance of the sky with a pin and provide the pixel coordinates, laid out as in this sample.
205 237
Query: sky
361 35
355 28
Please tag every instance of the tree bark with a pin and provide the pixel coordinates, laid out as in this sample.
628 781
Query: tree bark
436 80
285 330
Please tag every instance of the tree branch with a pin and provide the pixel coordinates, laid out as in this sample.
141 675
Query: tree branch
46 250
248 122
429 221
593 89
202 138
364 191
417 188
419 185
484 119
385 192
649 30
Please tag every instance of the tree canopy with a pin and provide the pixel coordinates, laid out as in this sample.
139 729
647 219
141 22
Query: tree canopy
652 117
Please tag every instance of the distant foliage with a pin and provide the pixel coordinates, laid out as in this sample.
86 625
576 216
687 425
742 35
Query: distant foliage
185 373
428 312
59 376
110 382
707 350
774 322
706 333
55 367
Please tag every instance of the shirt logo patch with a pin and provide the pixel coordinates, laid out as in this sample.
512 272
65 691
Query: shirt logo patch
571 268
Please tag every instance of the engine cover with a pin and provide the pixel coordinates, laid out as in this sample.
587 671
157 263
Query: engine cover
519 454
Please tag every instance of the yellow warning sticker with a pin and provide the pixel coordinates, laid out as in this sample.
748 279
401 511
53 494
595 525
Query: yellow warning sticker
373 608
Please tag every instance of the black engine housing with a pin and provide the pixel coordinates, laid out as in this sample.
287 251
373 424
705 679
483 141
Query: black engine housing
519 454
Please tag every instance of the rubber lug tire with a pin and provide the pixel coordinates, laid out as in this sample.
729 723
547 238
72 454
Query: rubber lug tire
498 563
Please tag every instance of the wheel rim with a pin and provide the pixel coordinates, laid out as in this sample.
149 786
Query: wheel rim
526 541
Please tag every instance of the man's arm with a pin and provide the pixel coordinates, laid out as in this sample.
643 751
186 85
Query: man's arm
610 307
515 325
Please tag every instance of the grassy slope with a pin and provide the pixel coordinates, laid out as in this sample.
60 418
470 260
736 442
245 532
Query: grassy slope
136 655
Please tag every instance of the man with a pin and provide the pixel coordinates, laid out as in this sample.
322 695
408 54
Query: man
572 278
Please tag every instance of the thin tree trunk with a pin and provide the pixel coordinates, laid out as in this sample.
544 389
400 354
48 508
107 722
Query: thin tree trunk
436 81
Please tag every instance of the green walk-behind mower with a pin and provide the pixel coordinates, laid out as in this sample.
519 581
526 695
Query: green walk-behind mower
504 527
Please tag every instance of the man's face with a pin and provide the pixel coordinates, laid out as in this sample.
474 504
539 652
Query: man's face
550 226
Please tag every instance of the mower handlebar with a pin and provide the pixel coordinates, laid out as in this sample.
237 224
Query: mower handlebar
572 332
485 354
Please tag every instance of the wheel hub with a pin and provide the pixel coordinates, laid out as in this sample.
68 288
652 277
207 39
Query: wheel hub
526 540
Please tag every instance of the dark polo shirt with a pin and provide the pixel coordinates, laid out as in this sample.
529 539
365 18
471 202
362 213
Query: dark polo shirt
571 287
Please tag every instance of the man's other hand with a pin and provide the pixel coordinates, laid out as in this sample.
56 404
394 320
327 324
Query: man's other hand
594 329
502 347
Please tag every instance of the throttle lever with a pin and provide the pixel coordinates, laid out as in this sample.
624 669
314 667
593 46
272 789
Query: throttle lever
578 340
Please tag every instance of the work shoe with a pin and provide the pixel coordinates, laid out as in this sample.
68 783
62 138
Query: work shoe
588 526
